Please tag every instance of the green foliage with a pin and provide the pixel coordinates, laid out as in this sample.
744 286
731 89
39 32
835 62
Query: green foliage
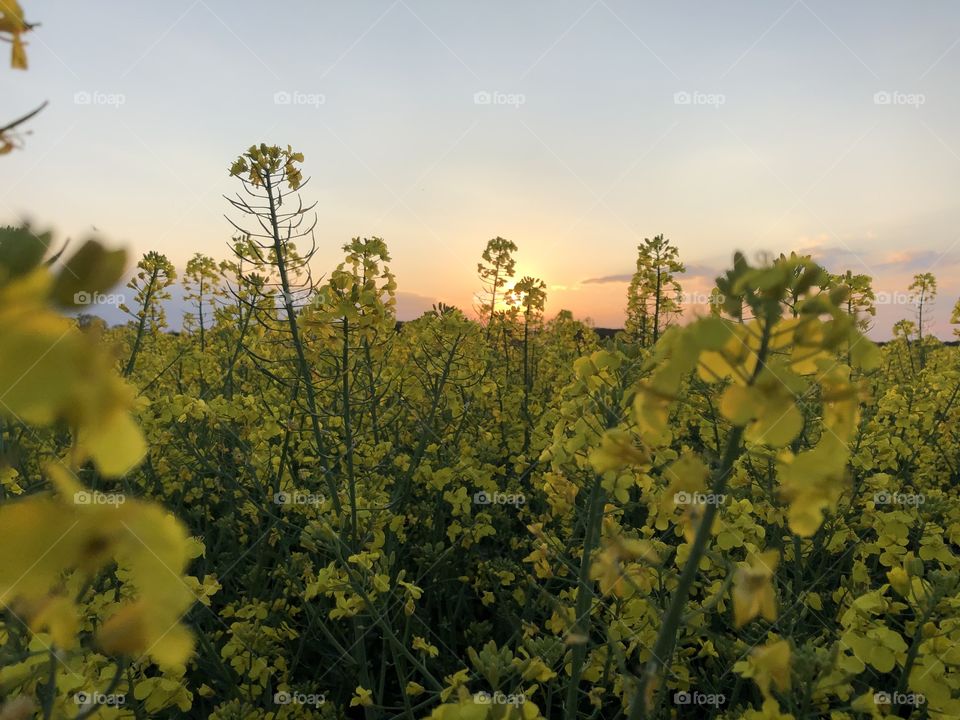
497 268
654 295
454 518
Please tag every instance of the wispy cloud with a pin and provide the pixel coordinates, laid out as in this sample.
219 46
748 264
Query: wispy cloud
838 259
692 270
622 278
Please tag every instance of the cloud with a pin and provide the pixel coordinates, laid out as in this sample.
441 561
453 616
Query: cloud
838 259
697 270
692 270
624 278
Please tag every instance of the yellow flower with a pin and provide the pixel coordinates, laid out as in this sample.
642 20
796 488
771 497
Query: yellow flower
617 450
812 481
753 592
145 628
58 616
51 371
423 646
686 490
13 24
362 697
690 520
770 710
771 665
47 537
614 568
767 407
899 580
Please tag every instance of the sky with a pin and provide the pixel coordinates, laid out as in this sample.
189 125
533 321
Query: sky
574 128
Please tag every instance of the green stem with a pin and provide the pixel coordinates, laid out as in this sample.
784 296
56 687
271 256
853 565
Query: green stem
142 324
303 366
51 690
667 638
584 596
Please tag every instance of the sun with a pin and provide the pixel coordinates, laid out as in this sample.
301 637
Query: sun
504 293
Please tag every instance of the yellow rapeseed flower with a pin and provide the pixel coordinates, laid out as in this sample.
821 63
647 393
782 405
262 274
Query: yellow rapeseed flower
753 592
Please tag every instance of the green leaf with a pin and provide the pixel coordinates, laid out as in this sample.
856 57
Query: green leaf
711 333
21 250
92 269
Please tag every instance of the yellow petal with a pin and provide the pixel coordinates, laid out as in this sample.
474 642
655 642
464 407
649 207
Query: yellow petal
58 616
115 446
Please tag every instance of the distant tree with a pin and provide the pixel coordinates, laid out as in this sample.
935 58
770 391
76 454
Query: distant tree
805 274
527 299
904 330
654 296
497 267
155 274
955 318
716 302
88 322
203 284
860 300
924 287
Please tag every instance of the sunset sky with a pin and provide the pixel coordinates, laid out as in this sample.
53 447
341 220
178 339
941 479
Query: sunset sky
574 129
